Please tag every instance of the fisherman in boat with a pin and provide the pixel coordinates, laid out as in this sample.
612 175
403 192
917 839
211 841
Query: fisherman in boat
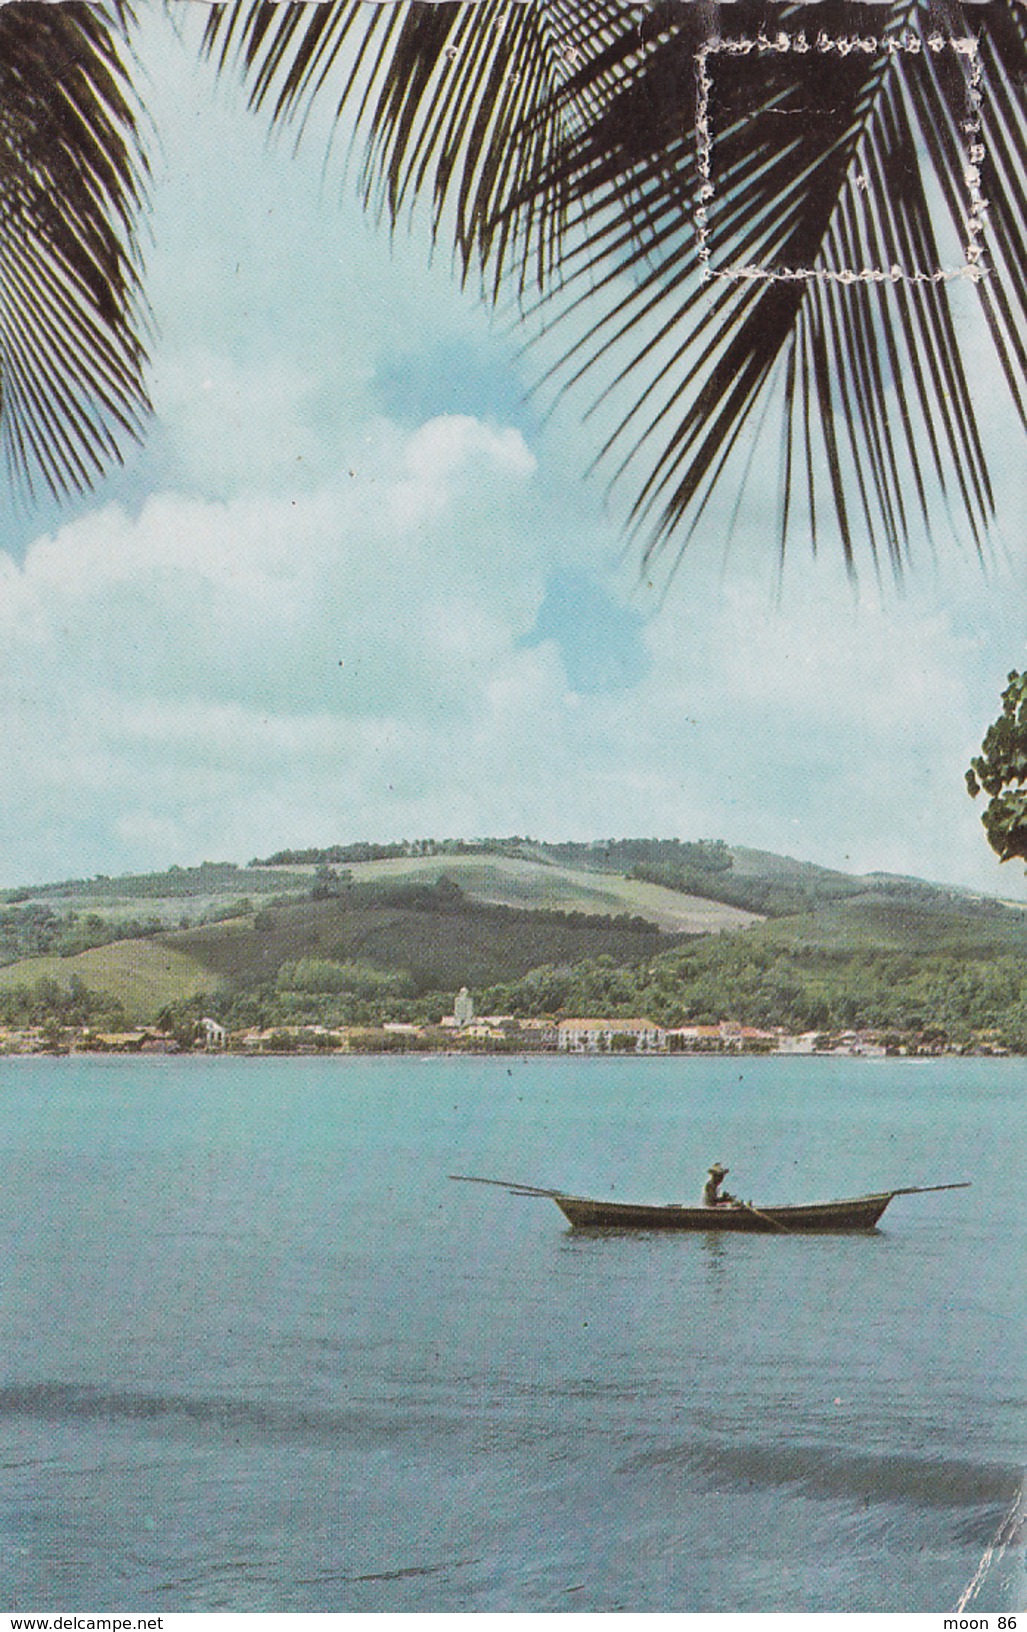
712 1195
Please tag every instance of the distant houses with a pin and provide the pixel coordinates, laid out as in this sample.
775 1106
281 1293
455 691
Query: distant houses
213 1033
608 1036
644 1036
466 1031
612 1035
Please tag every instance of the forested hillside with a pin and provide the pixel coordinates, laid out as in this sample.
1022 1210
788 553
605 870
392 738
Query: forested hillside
683 931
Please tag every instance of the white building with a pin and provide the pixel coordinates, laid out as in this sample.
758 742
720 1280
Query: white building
804 1043
214 1033
596 1036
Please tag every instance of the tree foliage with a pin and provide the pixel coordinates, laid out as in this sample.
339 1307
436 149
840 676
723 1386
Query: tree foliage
71 178
724 214
958 997
1000 769
800 251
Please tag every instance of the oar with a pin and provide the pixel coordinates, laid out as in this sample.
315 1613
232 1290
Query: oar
515 1188
922 1189
776 1222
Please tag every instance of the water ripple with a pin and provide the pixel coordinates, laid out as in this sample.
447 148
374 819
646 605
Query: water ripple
834 1471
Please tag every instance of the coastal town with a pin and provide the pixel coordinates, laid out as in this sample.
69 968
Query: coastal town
512 946
465 1031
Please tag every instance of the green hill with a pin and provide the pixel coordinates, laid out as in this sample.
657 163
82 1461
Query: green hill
898 918
804 903
142 976
210 886
516 881
435 935
486 914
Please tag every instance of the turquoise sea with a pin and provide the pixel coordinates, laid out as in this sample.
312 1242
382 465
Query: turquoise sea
258 1353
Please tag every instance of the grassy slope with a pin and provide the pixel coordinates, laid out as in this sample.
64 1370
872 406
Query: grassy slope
468 944
465 944
190 892
883 912
510 881
763 864
874 922
142 975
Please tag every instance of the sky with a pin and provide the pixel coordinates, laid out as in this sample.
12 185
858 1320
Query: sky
357 584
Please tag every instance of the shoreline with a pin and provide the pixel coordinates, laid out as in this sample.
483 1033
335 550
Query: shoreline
558 1056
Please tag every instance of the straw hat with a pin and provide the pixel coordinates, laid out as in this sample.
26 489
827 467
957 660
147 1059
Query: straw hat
718 1170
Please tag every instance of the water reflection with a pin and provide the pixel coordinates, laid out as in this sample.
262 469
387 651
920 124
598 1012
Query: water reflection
714 1260
714 1247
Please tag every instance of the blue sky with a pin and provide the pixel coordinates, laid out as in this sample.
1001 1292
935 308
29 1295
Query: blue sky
356 585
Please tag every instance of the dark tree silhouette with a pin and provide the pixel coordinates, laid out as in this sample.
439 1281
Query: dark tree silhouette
71 174
725 211
1000 769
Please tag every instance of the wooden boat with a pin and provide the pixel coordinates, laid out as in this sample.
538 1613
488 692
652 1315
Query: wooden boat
856 1213
852 1214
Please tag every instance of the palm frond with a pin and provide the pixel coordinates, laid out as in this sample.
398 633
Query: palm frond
71 173
435 92
778 214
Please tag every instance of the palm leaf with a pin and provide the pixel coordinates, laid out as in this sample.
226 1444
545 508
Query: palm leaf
71 361
805 253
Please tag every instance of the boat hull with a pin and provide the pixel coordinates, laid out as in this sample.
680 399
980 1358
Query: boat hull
857 1213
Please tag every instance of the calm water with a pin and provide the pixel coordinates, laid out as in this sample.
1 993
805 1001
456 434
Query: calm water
259 1354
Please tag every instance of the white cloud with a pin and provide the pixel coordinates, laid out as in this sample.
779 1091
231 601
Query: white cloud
188 661
314 625
236 426
446 451
216 678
